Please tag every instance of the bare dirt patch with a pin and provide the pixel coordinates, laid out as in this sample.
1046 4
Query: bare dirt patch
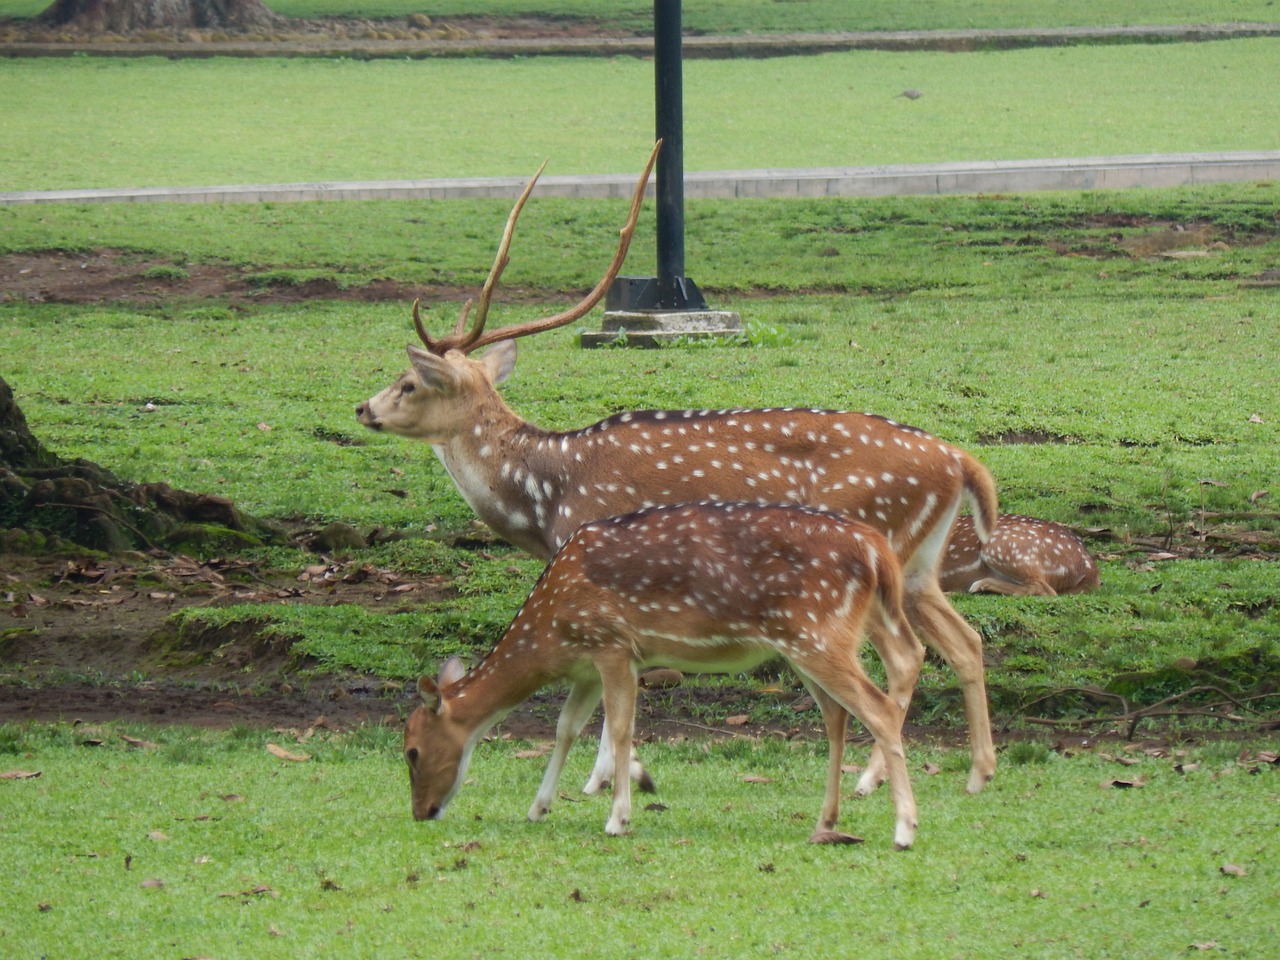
112 276
94 640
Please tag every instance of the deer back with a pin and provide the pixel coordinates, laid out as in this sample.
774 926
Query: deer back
900 480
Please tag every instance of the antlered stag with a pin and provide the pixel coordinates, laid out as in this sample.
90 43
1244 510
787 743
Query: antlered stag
707 587
1023 556
534 487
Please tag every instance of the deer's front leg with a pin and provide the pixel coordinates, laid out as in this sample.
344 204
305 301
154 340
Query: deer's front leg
577 709
602 773
620 718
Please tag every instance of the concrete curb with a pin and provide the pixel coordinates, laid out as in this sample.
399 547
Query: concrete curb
993 176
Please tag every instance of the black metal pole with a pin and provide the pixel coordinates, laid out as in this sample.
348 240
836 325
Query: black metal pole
669 182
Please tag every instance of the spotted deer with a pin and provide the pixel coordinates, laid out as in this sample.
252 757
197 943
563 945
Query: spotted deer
1023 556
705 587
534 487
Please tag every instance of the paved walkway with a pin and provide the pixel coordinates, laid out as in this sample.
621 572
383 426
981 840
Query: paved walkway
996 176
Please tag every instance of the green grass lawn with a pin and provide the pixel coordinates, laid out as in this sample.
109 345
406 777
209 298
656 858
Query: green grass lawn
1092 381
86 122
205 845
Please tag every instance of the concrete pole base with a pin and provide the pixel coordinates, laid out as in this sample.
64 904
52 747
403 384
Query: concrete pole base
653 328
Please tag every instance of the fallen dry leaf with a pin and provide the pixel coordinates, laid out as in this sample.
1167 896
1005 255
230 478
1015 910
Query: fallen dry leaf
1232 870
1258 495
139 744
833 837
19 774
157 835
152 884
756 778
931 769
1123 784
278 751
736 721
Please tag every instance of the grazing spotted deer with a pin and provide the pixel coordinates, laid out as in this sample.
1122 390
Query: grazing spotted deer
534 487
1023 556
705 587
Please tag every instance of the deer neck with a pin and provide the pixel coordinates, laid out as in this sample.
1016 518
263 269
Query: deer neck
505 471
496 686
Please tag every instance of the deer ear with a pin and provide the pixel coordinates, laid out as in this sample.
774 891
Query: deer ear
430 693
499 360
435 372
450 673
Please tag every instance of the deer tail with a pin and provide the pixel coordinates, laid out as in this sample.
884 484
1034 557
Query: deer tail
980 492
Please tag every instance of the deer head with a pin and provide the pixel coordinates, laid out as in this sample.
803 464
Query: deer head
429 401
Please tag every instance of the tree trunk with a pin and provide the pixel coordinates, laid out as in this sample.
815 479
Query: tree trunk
45 499
18 448
128 16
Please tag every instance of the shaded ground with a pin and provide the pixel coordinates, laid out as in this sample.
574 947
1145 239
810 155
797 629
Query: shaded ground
420 36
91 639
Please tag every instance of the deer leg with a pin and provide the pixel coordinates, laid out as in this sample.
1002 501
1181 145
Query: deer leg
937 623
902 660
620 719
836 720
1031 588
577 710
845 682
602 772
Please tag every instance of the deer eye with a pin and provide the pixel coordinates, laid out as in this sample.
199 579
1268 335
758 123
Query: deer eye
411 755
408 387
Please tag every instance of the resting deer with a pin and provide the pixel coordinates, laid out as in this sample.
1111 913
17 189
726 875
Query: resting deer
706 587
1023 556
534 487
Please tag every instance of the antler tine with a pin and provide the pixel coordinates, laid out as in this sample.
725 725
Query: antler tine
461 325
597 293
500 262
460 339
431 342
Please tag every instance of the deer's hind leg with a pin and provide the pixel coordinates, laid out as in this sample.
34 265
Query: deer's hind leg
836 719
842 677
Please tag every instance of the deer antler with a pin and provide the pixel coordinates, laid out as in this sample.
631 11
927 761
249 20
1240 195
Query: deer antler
476 338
